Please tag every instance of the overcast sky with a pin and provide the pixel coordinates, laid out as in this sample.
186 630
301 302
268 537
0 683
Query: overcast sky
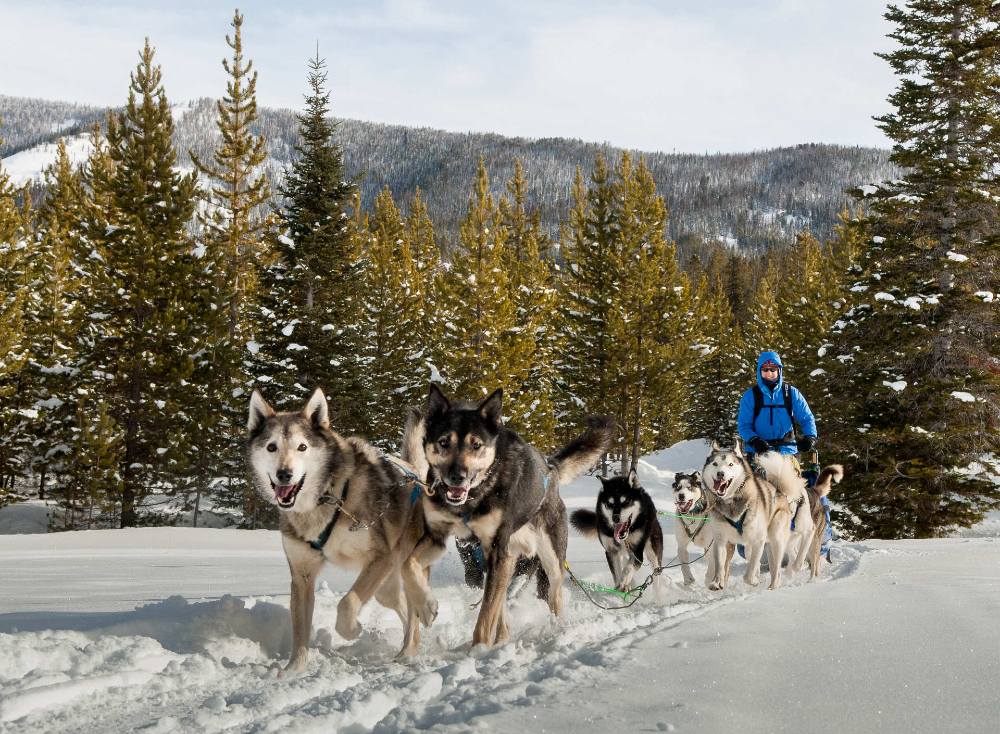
669 75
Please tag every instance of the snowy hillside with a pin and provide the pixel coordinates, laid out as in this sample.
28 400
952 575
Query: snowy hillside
178 630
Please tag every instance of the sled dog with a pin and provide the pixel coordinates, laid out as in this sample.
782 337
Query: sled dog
626 525
487 482
339 501
747 510
808 518
693 504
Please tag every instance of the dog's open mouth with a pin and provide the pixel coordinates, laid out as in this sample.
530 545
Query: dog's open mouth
621 530
685 506
456 495
285 494
721 486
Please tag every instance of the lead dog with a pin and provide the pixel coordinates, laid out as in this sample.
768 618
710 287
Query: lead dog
488 482
340 501
626 525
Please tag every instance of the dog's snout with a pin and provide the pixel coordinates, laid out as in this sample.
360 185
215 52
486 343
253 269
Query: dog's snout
284 475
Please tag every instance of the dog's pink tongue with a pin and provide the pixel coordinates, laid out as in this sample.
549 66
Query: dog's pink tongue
620 530
283 491
718 484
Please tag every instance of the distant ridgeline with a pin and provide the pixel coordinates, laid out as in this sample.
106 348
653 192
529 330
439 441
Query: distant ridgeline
753 199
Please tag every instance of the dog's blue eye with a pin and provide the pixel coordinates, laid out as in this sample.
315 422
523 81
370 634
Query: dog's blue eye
302 447
272 447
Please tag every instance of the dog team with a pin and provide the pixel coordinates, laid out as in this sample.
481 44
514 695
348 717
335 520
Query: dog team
462 473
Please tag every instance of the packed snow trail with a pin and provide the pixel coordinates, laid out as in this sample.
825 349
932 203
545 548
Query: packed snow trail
72 659
909 643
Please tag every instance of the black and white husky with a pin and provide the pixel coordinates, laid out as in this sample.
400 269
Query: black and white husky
625 523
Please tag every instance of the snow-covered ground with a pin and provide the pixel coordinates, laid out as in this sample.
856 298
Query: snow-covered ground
176 630
30 164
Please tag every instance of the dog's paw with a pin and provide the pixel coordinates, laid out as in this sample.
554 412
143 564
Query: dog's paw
295 666
347 617
427 611
715 586
751 579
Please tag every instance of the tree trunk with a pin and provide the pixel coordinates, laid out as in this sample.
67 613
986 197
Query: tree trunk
41 485
197 504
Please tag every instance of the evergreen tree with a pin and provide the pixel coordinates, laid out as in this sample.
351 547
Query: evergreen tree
235 230
14 275
919 351
587 288
54 317
719 383
397 347
311 310
477 310
632 323
534 342
655 321
137 340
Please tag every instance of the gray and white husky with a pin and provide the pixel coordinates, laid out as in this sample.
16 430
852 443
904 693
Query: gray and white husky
755 512
340 501
748 511
693 505
487 482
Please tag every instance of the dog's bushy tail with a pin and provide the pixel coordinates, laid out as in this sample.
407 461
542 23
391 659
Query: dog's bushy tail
827 478
584 451
585 522
412 449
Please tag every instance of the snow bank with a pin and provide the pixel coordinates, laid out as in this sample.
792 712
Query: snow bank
25 517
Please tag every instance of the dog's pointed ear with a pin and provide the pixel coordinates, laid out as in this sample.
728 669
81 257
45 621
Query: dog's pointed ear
260 411
633 479
714 446
491 408
696 478
437 403
738 445
316 410
604 480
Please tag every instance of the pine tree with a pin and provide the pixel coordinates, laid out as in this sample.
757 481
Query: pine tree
719 382
14 276
533 344
236 230
311 306
55 316
919 353
236 221
477 310
137 340
655 322
396 349
587 289
632 323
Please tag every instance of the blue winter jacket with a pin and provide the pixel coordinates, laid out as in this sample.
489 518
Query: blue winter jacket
773 423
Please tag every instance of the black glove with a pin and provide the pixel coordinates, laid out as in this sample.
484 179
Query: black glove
759 445
806 444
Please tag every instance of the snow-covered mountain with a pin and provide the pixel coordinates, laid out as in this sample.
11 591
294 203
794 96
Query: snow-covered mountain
752 199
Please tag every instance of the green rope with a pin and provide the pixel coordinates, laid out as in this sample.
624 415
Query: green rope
682 517
591 586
